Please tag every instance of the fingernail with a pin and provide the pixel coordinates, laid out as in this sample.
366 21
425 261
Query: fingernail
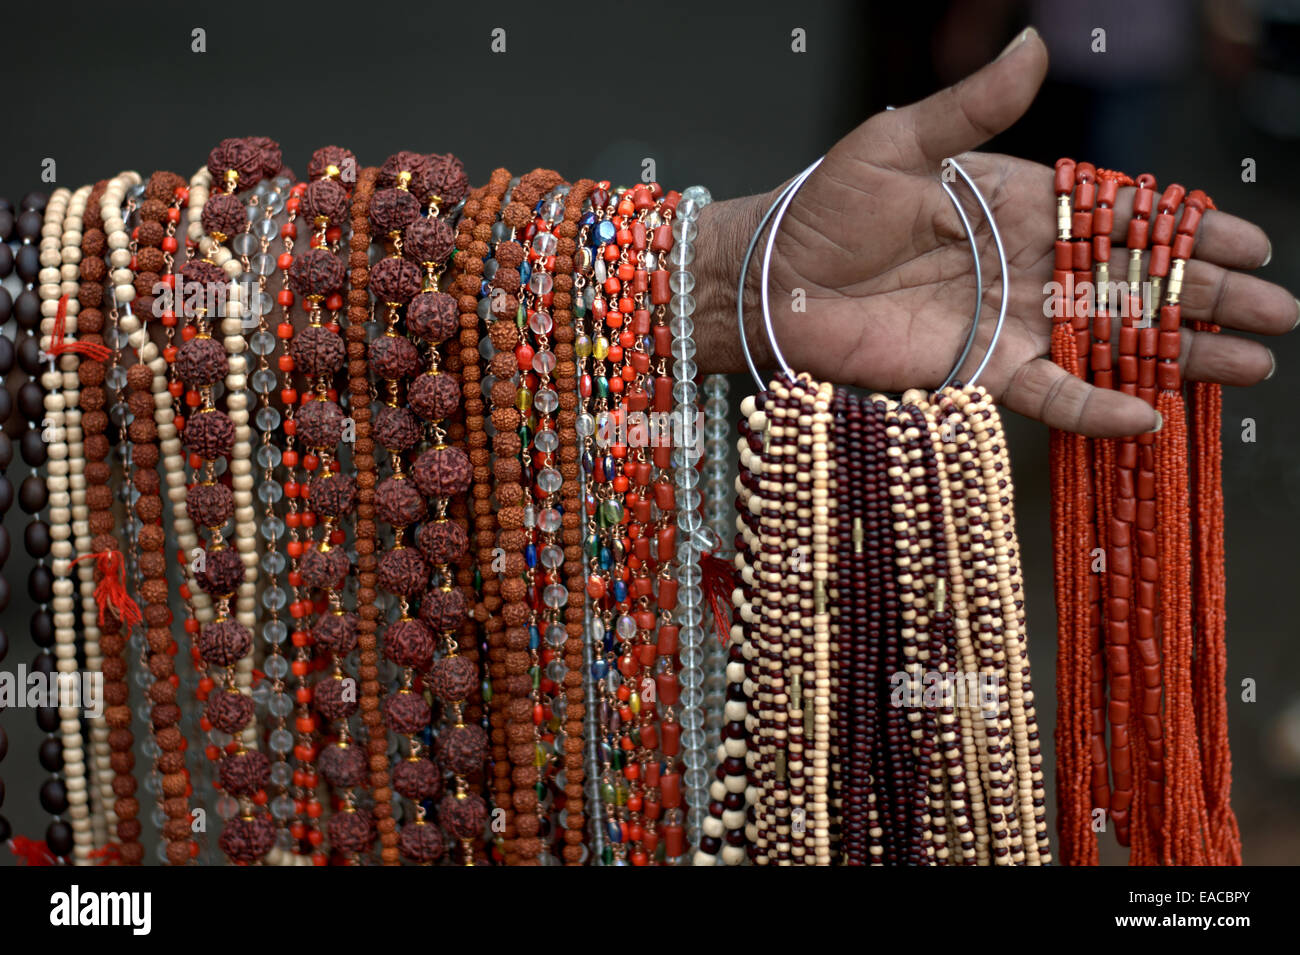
1273 370
1025 34
1268 258
1297 315
1160 423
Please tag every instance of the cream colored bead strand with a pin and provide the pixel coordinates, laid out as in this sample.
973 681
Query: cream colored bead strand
996 468
1003 641
55 381
758 686
835 686
910 516
779 617
734 711
751 463
947 769
1004 829
965 794
1007 504
823 526
1022 780
798 651
934 586
958 457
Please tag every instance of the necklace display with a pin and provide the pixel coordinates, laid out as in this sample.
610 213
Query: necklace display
446 579
887 706
1166 761
945 768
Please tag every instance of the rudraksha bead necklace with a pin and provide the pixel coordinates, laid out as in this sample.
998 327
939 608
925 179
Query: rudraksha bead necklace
408 641
104 238
317 277
442 472
237 394
487 235
522 844
103 818
366 538
221 570
475 243
149 405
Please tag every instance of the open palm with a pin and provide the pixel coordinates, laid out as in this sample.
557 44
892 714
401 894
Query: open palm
887 280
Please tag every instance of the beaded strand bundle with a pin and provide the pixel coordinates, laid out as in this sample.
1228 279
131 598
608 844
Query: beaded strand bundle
1161 619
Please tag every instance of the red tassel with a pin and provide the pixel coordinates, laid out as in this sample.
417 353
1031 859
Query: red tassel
31 851
109 854
111 589
718 580
59 346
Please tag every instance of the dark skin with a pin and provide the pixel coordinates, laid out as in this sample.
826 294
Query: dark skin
887 273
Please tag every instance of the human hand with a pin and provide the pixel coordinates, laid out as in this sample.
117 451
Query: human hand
888 280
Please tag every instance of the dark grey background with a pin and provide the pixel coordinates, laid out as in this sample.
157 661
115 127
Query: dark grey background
713 93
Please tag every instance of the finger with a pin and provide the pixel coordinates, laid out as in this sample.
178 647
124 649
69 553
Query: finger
1236 300
1225 359
1222 239
959 118
1043 390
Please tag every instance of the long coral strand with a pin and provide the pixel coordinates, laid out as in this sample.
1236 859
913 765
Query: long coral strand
1209 665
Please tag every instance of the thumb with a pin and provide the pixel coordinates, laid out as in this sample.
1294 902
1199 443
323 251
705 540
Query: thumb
966 115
